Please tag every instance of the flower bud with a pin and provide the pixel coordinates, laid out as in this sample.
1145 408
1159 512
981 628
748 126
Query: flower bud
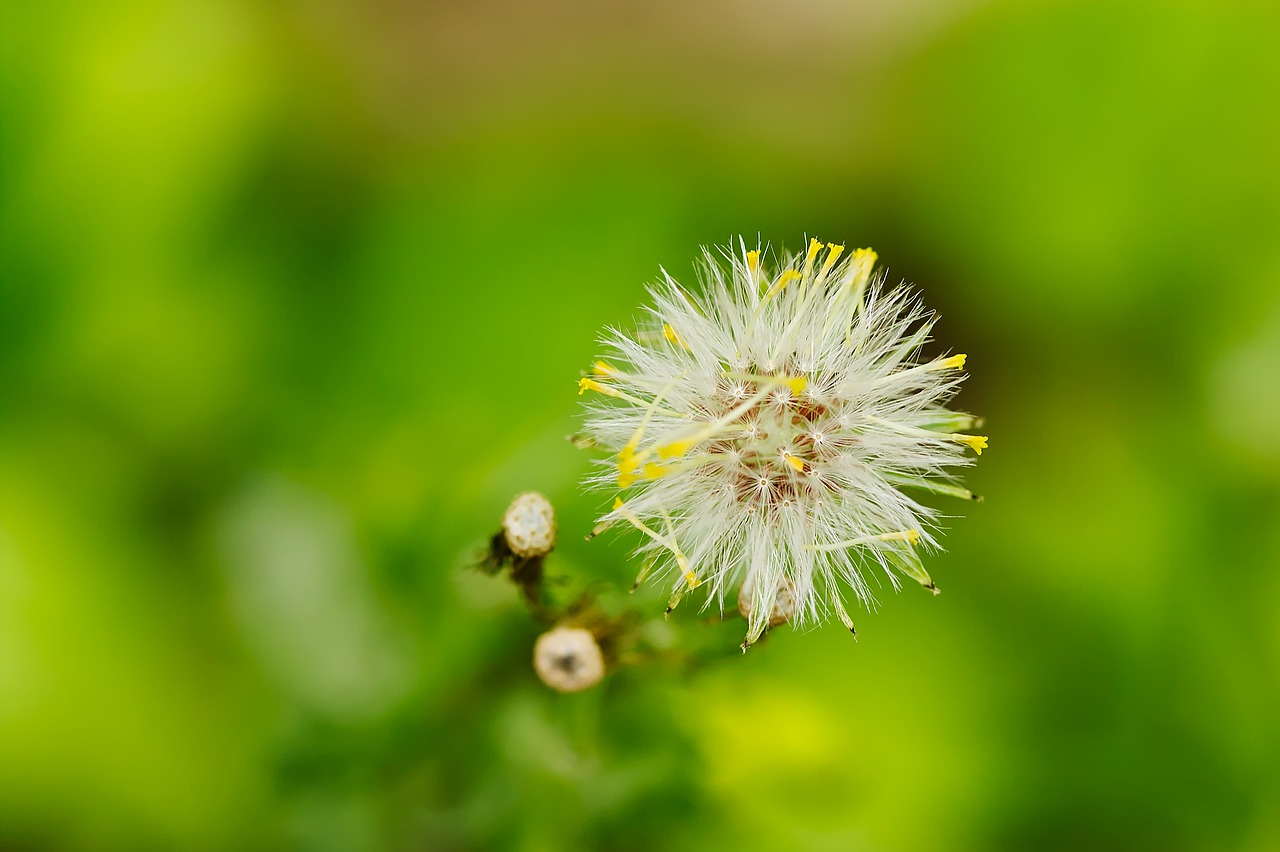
529 525
568 659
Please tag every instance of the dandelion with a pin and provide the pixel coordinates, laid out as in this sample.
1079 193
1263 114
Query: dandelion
768 434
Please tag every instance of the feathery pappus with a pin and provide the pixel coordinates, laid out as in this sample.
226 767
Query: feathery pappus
766 433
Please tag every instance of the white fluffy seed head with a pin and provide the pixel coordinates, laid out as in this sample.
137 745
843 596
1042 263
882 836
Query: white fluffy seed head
784 601
529 525
779 422
568 659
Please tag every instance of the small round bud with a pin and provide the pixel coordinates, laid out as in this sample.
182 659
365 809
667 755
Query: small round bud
784 603
568 659
529 525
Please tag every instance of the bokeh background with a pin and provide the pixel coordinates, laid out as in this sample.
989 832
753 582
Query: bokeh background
293 299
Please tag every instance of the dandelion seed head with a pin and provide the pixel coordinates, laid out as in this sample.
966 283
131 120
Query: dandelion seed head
771 426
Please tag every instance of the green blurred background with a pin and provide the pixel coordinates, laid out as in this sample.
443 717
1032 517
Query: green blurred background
293 297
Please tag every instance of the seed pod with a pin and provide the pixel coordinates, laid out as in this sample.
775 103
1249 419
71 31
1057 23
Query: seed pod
529 525
784 602
568 659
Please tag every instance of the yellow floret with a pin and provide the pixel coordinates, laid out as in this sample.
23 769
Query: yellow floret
585 384
655 471
675 448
